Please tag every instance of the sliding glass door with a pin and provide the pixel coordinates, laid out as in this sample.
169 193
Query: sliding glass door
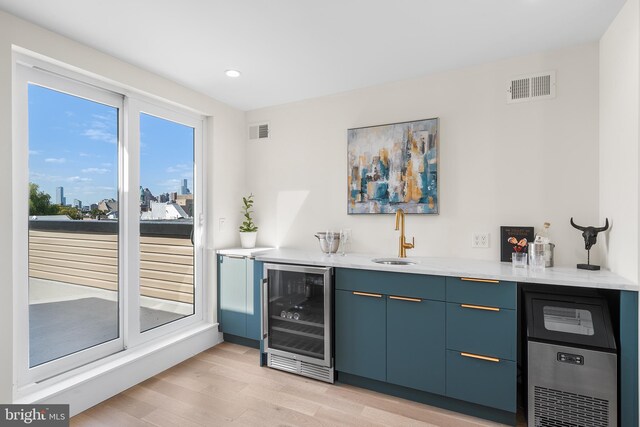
72 309
73 264
167 201
110 209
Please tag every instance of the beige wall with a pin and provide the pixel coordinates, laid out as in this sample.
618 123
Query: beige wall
501 164
619 110
224 142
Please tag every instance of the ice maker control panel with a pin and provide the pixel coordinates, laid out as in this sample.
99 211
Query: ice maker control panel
574 359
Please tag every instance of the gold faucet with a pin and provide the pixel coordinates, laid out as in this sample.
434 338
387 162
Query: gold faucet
404 245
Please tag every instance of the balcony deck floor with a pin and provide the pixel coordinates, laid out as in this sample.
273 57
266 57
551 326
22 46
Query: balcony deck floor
60 328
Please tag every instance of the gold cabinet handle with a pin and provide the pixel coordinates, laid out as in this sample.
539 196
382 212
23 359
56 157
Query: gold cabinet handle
367 294
477 356
479 307
471 279
405 298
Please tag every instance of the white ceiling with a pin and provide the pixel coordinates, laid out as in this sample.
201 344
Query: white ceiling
288 50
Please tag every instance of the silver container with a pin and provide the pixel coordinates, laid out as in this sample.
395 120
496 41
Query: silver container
324 245
544 250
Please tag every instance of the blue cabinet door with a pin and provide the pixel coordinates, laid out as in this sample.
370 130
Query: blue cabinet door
360 334
254 306
233 295
416 343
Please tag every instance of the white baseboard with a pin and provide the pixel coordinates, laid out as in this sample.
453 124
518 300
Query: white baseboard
132 367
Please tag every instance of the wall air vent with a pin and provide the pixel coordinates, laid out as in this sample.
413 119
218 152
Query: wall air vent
532 87
258 131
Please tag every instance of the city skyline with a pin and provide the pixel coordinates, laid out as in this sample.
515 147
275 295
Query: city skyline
184 190
73 144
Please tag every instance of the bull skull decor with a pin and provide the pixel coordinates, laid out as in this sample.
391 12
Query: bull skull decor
590 235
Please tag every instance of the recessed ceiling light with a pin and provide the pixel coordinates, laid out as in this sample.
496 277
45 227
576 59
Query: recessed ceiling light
232 73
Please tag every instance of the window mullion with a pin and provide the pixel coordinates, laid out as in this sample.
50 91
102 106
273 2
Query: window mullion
131 180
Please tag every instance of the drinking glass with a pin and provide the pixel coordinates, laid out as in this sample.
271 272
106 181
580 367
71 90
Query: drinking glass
329 237
519 259
345 240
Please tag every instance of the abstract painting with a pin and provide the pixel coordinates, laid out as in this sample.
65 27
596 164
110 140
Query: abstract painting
393 166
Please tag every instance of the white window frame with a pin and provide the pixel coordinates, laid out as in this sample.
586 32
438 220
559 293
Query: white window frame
136 106
25 76
130 104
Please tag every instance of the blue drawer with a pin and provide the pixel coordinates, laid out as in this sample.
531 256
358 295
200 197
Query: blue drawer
484 382
492 293
482 330
399 284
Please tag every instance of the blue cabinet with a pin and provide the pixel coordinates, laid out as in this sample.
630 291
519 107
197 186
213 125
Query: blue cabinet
360 334
448 336
391 327
239 296
416 343
482 342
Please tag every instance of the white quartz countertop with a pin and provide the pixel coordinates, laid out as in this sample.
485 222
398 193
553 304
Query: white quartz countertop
457 267
242 252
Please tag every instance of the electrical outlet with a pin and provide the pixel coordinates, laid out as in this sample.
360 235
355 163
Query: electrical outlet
480 240
221 224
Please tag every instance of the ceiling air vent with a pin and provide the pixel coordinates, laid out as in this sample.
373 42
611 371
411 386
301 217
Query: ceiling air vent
531 87
258 131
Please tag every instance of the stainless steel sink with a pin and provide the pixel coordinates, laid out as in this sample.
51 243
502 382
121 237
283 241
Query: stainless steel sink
393 261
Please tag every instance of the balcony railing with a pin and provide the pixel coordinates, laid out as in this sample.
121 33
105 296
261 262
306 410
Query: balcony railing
85 253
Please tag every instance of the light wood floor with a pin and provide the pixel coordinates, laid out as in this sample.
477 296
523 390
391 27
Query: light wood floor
224 385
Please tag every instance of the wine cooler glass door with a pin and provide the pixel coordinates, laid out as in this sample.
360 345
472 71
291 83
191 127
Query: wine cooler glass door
298 309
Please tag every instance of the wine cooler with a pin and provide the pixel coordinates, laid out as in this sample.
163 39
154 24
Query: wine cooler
297 319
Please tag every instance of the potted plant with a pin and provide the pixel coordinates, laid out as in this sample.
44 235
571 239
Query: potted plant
248 230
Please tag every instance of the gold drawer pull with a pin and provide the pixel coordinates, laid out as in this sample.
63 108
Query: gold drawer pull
406 298
479 307
471 279
477 356
367 294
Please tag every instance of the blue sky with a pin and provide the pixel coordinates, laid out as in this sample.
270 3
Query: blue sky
73 144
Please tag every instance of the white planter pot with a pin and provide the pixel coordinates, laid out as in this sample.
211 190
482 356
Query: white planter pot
248 240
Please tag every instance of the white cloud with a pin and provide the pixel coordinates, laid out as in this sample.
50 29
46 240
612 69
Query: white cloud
54 160
35 152
78 179
103 117
101 129
170 183
44 177
106 165
179 168
37 175
95 170
100 135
